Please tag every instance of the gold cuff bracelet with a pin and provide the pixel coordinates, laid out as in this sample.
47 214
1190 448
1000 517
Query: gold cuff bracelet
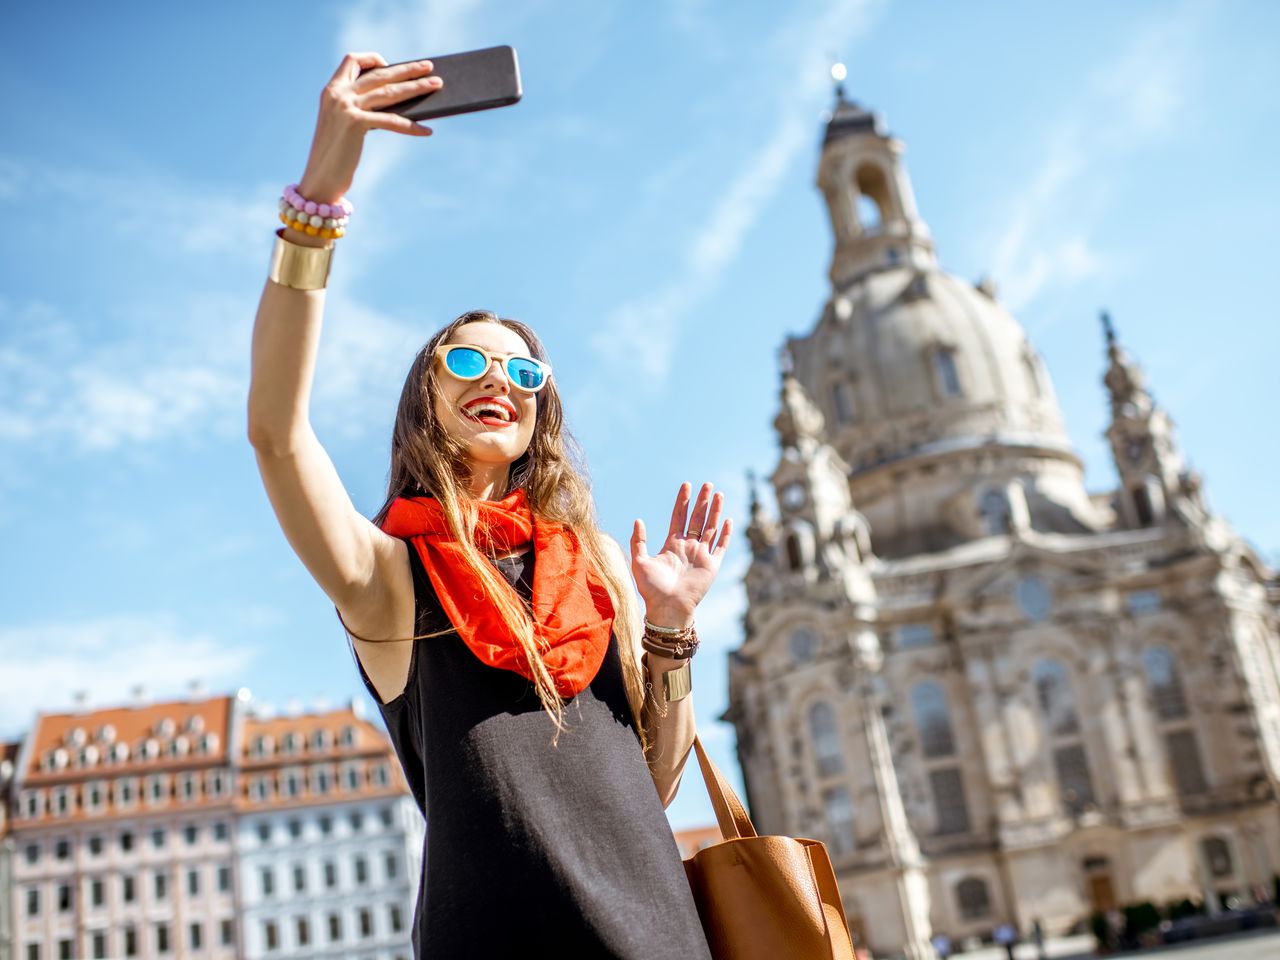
299 266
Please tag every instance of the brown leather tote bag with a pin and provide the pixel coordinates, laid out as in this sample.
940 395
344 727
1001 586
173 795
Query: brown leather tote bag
762 898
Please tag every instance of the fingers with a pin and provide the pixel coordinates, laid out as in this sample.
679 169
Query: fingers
680 512
413 70
638 551
392 121
699 518
353 63
725 533
708 532
395 92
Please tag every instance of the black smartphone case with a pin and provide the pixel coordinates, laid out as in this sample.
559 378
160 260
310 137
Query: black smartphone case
475 80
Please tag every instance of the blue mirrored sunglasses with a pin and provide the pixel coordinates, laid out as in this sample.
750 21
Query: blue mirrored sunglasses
469 362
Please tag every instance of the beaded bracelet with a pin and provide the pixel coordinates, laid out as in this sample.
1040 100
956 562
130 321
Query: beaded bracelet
325 220
681 647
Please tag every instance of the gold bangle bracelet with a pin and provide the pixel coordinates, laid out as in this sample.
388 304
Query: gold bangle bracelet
299 266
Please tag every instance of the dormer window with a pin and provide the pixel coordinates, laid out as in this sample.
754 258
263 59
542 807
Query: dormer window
292 743
944 369
209 743
195 723
263 745
320 740
348 736
165 727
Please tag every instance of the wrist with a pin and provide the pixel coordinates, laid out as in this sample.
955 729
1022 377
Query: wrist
671 617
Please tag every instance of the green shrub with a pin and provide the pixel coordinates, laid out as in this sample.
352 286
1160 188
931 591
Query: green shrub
1101 930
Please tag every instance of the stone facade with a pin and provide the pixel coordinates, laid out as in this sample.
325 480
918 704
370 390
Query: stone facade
995 696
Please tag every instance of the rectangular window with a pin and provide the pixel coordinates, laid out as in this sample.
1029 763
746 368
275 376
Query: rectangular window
330 874
64 897
393 867
162 938
61 801
130 942
62 849
195 936
366 923
1072 767
157 839
397 919
191 834
362 871
33 951
128 892
193 883
99 941
388 816
839 810
1184 758
64 950
126 842
268 878
949 801
335 928
228 932
33 901
33 853
944 365
270 935
161 884
304 931
95 845
842 399
224 879
299 878
264 832
220 831
97 893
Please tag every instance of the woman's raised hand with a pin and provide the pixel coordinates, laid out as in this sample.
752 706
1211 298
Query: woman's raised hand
673 581
348 109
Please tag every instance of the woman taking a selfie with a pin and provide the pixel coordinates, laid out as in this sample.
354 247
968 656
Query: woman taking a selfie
542 726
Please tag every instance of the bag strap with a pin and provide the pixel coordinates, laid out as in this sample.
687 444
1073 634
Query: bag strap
730 813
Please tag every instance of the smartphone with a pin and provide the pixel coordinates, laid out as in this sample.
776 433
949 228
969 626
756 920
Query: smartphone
475 80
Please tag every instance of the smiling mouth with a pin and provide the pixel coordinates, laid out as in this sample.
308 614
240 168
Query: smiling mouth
490 412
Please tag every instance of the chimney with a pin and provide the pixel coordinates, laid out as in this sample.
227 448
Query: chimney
81 700
139 694
195 688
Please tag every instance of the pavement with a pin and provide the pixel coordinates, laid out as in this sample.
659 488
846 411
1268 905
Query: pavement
1245 946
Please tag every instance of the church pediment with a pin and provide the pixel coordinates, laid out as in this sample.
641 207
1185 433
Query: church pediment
1016 575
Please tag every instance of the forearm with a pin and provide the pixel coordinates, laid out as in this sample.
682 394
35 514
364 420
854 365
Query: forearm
671 728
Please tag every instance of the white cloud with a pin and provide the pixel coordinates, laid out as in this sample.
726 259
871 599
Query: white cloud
646 328
45 664
1127 105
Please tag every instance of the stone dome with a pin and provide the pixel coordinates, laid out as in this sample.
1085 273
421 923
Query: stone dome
908 361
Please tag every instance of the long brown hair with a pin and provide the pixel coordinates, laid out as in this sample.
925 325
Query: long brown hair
427 461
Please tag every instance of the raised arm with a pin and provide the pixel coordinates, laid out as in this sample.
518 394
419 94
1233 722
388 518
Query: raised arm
364 571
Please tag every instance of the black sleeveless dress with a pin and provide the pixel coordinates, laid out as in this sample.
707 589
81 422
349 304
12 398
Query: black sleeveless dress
532 850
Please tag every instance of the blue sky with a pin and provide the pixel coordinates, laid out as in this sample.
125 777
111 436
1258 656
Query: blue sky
649 208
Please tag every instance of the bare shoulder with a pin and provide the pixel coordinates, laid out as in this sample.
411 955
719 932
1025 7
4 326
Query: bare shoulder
385 611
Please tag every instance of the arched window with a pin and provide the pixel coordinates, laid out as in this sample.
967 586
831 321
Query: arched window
1164 683
994 508
944 367
973 898
929 704
873 197
1053 689
1070 761
825 733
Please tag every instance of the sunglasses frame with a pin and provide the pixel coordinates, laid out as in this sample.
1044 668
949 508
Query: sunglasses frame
442 353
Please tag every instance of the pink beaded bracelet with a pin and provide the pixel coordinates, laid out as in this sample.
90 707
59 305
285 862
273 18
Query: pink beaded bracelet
340 210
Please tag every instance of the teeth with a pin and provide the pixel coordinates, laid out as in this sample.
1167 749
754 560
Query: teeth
490 410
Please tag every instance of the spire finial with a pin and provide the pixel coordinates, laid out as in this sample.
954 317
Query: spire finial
838 74
1107 327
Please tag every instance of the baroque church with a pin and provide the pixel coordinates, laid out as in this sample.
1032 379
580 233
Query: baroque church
995 696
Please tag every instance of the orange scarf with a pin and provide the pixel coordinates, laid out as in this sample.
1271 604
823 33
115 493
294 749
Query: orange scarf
572 611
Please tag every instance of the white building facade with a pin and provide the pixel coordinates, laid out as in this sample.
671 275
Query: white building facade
996 696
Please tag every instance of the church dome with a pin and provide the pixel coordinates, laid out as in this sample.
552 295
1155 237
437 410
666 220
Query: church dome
906 361
929 388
